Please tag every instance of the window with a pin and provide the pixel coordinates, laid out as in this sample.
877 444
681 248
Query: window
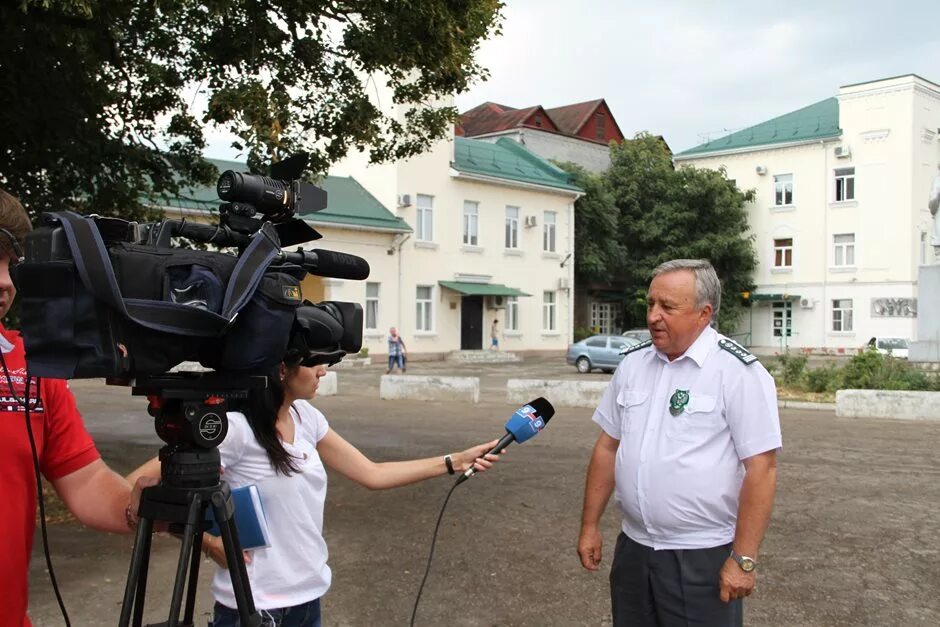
538 120
372 305
512 227
471 225
548 311
602 317
783 319
843 249
845 184
842 315
423 304
512 313
596 342
783 253
425 218
600 126
548 231
783 190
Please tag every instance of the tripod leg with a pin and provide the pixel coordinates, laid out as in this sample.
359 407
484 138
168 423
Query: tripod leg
186 546
248 616
141 547
142 579
193 579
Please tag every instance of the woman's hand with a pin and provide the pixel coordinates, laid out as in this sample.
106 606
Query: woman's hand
474 458
214 550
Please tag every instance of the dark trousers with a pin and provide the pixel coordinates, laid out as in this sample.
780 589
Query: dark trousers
669 588
303 615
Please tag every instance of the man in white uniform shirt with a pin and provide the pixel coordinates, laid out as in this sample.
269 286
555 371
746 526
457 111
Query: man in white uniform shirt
689 438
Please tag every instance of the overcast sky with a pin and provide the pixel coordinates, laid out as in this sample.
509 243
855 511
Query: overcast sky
688 69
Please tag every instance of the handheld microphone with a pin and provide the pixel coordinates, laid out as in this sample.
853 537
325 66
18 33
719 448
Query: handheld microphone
522 425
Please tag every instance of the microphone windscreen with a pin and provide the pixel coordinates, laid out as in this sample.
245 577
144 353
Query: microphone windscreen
340 265
530 419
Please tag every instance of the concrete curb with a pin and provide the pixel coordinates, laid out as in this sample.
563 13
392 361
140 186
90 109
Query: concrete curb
425 388
788 404
559 392
890 404
329 384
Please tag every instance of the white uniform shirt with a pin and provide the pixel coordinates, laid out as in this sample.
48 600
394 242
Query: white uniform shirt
678 478
293 570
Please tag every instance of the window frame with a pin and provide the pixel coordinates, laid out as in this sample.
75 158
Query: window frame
549 313
838 307
372 302
512 313
428 308
843 179
511 228
782 251
471 223
842 249
424 222
792 184
549 232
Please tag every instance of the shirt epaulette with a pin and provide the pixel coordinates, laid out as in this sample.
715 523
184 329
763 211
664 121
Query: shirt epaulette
637 347
745 356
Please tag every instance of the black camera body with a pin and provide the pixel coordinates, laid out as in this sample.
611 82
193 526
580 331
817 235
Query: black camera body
103 297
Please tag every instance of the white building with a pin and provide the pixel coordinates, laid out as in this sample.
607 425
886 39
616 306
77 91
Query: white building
840 215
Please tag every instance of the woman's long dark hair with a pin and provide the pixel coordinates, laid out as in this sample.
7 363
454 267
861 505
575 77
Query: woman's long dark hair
262 416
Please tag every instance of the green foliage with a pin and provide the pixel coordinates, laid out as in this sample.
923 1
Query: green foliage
823 379
870 370
583 332
791 368
643 211
364 352
96 98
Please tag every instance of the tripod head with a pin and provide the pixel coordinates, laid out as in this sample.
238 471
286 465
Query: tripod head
189 411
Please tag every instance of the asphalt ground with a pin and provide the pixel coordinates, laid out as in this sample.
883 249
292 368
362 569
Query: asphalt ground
854 540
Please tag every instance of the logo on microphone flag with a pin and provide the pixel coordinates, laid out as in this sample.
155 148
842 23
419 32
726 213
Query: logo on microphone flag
536 421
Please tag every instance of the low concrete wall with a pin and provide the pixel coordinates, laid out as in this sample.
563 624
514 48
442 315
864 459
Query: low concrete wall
888 404
329 384
561 393
422 388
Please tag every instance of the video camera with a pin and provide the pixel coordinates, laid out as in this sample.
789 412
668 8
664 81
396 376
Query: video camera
104 297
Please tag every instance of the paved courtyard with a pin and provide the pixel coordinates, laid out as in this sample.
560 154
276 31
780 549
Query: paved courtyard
855 538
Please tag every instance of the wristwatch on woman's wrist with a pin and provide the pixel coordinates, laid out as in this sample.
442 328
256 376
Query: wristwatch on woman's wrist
449 462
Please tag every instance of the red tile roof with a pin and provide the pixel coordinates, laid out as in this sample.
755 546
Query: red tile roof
491 117
570 118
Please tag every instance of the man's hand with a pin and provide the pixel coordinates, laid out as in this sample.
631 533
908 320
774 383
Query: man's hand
735 583
589 547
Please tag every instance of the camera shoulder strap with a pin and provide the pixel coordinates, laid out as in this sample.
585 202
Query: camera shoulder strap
94 267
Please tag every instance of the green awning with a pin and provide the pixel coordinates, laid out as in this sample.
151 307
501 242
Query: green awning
482 289
774 296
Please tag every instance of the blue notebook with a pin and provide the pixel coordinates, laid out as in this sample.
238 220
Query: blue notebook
249 518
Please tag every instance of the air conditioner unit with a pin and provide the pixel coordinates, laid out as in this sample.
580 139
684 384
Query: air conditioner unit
496 302
564 283
842 152
761 170
807 303
404 200
531 221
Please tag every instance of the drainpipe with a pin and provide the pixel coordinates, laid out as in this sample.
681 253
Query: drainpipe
397 243
825 302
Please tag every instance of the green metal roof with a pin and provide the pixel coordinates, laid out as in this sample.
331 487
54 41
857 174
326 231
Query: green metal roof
817 121
482 289
775 297
349 204
509 160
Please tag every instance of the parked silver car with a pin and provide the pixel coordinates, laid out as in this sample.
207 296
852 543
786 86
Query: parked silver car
598 351
641 334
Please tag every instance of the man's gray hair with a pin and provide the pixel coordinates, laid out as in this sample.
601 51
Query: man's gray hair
707 285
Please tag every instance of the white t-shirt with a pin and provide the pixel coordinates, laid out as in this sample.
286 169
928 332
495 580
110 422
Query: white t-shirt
293 570
678 477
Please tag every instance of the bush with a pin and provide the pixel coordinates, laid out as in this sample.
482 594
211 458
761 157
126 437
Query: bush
791 368
825 379
583 332
363 353
871 370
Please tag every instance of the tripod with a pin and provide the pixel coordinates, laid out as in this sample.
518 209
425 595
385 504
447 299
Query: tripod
190 416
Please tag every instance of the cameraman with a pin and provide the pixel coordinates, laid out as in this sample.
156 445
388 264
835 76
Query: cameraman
67 456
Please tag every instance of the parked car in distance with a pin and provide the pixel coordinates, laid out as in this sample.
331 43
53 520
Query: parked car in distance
641 334
598 351
894 346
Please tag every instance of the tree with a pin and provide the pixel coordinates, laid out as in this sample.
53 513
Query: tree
665 213
94 112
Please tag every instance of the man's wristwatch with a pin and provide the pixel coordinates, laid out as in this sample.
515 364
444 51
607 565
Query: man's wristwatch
746 563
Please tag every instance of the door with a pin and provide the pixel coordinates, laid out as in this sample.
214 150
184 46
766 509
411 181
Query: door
471 323
783 322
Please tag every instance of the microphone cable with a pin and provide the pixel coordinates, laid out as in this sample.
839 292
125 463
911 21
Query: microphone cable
39 495
427 568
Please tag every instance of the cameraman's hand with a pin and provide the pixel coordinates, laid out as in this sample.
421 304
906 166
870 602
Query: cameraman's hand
474 457
214 550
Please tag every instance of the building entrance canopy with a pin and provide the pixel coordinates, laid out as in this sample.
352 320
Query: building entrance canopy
482 289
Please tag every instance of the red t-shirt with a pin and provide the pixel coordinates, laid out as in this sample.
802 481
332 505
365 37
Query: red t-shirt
63 446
